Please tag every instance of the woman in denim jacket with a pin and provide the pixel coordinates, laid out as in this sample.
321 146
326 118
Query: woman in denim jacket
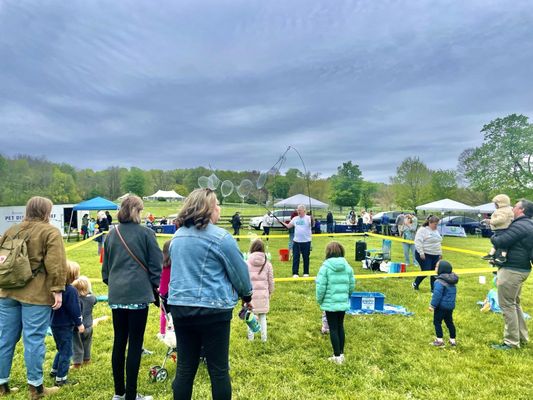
207 277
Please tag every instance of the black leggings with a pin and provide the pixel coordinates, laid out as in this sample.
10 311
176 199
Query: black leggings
440 315
214 337
129 328
336 331
428 264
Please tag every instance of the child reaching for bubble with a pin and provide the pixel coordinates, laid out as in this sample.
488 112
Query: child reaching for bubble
443 302
500 219
262 277
335 283
82 341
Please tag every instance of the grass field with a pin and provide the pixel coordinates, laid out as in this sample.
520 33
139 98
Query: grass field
387 357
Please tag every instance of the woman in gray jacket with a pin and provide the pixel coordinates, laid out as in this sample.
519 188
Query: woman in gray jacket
428 244
131 268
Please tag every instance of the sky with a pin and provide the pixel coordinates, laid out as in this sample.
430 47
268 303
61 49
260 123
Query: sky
232 83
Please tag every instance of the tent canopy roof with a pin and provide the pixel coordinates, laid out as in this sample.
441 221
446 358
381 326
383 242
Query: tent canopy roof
165 194
98 203
487 208
298 199
446 205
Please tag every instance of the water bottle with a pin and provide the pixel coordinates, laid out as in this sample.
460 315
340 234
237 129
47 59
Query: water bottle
252 322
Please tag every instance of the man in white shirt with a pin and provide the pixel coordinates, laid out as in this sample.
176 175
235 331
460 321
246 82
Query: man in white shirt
302 241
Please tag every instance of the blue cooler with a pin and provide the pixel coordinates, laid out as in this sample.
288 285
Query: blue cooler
367 301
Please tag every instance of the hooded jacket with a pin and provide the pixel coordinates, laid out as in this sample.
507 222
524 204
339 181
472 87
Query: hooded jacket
334 285
502 217
518 241
444 291
262 283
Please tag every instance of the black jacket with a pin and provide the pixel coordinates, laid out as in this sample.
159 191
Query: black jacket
518 241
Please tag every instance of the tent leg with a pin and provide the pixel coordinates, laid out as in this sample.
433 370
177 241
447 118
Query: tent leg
69 225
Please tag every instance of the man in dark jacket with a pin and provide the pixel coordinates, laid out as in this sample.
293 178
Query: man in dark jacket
518 240
236 223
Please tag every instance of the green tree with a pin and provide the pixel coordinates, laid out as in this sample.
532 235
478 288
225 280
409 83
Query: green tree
504 162
411 184
279 187
135 182
368 191
346 185
63 188
443 184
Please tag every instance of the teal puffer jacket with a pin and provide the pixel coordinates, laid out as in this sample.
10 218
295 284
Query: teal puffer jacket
334 285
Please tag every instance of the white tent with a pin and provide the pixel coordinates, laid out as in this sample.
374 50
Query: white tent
488 208
446 205
298 199
164 194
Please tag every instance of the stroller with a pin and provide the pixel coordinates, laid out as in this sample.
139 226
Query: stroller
158 373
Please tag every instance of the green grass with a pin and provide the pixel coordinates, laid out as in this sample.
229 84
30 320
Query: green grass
387 357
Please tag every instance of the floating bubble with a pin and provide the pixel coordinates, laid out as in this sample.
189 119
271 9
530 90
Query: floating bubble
261 180
245 188
213 182
226 188
203 182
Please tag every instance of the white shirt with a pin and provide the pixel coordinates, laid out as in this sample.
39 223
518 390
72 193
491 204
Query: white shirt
267 220
428 241
302 229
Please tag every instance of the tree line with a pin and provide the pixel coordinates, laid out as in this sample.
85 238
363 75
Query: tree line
503 163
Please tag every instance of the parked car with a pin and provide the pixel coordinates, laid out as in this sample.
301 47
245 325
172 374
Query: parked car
281 215
376 219
470 225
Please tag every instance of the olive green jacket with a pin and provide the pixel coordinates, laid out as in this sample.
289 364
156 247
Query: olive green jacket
46 248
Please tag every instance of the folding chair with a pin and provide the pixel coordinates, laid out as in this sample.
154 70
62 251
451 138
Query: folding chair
374 257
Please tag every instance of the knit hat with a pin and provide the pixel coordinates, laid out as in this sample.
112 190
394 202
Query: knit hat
444 267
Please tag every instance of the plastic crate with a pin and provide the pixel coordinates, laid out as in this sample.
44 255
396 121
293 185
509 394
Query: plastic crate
367 301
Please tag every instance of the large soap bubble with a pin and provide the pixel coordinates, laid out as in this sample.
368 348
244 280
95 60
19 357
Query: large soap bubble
261 180
226 188
203 182
244 188
213 182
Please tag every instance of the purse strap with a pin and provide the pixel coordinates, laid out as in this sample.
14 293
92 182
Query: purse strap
129 251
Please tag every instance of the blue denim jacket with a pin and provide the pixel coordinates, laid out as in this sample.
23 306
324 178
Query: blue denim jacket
207 269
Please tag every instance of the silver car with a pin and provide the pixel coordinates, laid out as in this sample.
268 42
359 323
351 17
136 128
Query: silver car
281 215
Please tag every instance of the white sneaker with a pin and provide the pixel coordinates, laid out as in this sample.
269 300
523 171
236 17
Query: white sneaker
337 360
306 275
141 397
295 276
341 357
117 397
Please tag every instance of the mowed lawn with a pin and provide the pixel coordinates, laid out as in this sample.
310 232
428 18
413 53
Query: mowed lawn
387 357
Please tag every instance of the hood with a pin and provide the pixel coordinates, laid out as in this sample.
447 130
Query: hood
337 264
502 200
450 279
256 259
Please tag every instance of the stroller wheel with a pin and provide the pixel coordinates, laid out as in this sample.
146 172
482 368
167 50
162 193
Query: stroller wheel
161 375
154 371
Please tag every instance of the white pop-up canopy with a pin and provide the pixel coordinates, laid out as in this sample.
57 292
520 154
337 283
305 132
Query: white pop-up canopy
488 208
446 205
164 194
298 199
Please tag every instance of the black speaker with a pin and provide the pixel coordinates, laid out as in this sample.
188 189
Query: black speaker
360 250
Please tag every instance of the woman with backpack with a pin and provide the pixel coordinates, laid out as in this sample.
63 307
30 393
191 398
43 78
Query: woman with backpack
26 307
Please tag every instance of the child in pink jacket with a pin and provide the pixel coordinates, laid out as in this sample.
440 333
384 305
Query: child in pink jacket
262 278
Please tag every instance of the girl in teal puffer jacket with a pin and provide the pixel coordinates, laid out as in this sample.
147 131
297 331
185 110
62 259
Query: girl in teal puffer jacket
334 284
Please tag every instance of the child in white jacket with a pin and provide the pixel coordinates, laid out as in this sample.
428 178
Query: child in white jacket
500 219
262 277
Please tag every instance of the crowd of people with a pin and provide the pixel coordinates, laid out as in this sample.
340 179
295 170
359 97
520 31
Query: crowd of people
201 274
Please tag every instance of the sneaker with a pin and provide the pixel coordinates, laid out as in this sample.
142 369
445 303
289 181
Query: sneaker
453 343
414 286
295 276
501 259
5 389
488 257
141 397
147 352
118 397
341 357
66 382
437 343
324 331
336 359
501 346
306 275
53 373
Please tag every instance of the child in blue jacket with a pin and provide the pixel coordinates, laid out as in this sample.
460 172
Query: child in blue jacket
443 302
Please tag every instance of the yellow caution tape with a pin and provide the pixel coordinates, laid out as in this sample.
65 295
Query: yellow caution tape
83 242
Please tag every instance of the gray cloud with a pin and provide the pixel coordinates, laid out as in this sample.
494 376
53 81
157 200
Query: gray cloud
233 83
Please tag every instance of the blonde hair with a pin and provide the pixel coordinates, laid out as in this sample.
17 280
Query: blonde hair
130 210
334 249
166 253
38 209
83 285
197 209
73 271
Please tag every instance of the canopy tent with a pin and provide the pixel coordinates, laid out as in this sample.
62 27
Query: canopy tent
298 199
98 203
488 208
446 205
164 194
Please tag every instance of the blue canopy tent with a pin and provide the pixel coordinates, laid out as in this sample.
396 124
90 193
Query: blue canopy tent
98 203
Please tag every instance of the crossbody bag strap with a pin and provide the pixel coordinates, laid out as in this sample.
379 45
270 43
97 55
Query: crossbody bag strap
129 251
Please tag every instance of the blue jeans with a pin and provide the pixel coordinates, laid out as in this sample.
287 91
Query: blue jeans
32 321
409 247
303 248
63 338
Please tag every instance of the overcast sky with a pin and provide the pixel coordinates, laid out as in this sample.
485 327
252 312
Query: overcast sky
230 83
